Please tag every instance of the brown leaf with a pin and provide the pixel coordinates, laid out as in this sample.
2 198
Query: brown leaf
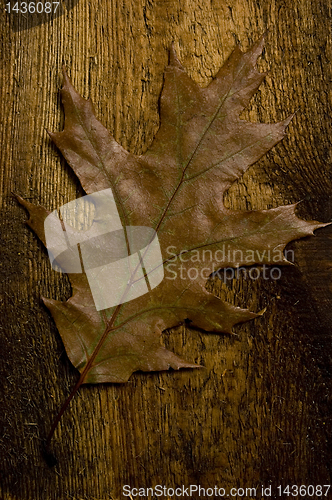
177 188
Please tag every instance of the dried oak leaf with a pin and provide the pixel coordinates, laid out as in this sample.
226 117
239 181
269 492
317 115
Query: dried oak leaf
177 188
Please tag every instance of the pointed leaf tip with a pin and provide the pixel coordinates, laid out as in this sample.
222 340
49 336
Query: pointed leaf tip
66 79
20 200
287 121
17 196
286 262
261 41
261 312
262 38
173 58
256 49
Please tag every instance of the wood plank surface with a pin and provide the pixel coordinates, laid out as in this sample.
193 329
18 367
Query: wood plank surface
260 411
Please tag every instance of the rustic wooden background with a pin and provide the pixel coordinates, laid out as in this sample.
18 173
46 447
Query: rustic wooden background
260 413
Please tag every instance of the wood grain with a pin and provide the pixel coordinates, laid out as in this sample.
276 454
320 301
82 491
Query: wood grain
260 412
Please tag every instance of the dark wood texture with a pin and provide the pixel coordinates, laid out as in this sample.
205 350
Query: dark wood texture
260 412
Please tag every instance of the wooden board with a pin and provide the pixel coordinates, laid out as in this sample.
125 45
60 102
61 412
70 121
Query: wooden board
260 412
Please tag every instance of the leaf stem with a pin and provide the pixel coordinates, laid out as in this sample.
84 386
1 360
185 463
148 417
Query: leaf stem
80 381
